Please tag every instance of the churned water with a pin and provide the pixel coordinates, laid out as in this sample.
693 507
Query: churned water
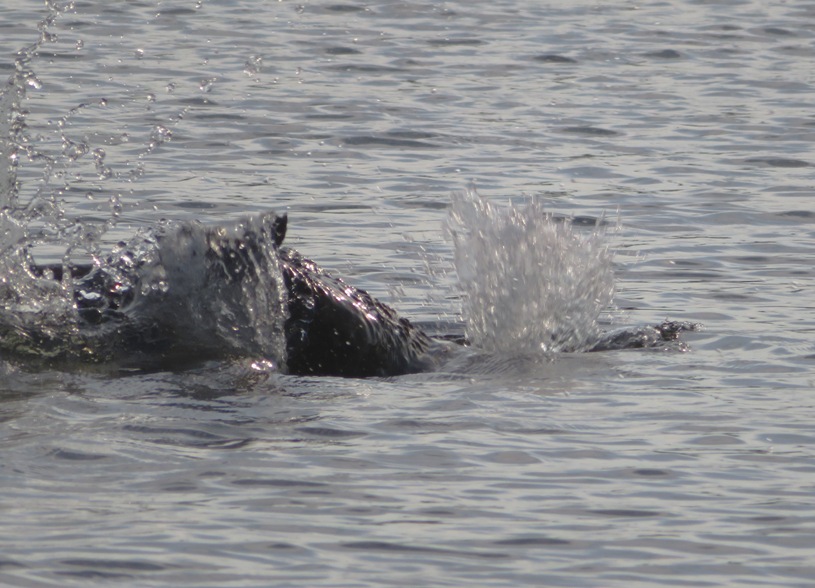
529 284
690 122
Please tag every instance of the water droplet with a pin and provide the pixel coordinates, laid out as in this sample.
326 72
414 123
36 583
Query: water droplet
252 66
33 81
179 117
161 134
103 171
264 366
206 84
136 173
73 150
115 202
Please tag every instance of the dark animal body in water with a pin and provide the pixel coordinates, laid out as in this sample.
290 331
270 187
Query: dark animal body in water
329 327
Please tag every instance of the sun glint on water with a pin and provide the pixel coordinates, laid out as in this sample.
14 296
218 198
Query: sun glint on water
530 282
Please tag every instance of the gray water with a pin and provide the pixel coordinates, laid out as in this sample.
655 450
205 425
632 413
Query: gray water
690 121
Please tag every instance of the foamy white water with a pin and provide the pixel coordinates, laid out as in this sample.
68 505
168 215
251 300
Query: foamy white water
530 283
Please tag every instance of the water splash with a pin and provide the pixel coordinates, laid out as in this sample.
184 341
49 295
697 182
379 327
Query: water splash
34 221
13 139
530 283
220 289
64 157
159 272
176 291
24 298
38 218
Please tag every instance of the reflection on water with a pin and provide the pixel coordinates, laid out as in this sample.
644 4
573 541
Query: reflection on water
583 470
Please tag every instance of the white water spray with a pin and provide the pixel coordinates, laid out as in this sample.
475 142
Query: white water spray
530 282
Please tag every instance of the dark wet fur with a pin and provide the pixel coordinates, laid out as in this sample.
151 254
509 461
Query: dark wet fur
336 329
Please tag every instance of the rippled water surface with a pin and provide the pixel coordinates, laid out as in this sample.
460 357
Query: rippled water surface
690 121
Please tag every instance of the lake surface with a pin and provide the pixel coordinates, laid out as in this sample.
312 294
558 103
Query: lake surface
691 122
